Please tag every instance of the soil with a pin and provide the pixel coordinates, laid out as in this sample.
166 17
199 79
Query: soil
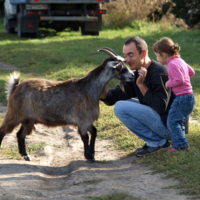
59 170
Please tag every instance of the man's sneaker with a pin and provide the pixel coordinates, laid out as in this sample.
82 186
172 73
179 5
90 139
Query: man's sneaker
167 144
146 150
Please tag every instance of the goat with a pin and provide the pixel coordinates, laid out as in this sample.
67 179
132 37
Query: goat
60 103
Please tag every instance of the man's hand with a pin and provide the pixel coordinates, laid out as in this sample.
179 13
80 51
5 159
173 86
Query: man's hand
140 80
104 94
142 72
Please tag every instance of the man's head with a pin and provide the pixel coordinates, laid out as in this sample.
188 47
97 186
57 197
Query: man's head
135 51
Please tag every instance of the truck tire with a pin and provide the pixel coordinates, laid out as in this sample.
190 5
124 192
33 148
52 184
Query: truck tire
94 33
7 25
83 32
8 30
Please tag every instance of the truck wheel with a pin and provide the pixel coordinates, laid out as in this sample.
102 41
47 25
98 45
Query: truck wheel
83 32
7 24
9 30
32 35
94 33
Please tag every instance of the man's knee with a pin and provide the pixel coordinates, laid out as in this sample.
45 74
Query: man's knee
118 108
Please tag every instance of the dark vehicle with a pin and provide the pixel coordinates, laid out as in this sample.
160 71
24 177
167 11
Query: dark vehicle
29 15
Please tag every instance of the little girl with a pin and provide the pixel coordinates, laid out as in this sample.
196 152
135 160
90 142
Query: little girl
179 80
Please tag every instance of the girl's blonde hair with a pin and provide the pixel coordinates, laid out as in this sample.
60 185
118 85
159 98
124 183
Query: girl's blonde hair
166 45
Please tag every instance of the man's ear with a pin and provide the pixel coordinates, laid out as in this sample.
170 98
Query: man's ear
144 52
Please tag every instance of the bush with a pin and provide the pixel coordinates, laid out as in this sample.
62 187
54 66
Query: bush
122 13
189 10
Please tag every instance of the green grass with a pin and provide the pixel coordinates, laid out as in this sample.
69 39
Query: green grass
14 152
68 54
116 196
92 181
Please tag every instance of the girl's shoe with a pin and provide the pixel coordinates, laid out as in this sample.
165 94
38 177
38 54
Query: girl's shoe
172 150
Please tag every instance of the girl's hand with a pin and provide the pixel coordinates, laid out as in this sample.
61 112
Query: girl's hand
166 86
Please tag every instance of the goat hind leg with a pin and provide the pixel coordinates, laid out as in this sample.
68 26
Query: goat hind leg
21 135
93 132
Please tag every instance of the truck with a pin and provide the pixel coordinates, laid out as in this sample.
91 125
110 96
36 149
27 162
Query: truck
29 15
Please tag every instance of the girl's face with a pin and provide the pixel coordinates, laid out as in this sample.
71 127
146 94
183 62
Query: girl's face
161 58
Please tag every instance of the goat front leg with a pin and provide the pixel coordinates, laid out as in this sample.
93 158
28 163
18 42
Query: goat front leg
93 132
21 135
85 139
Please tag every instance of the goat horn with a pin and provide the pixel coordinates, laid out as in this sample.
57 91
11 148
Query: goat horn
109 53
110 50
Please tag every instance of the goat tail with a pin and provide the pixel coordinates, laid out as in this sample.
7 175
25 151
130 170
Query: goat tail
11 82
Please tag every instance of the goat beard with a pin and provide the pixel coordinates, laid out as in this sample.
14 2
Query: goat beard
121 85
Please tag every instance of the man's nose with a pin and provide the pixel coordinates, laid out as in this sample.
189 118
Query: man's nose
127 59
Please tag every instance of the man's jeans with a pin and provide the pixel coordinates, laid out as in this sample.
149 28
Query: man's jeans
144 121
180 110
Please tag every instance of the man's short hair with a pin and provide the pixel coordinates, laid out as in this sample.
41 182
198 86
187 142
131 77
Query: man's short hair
139 43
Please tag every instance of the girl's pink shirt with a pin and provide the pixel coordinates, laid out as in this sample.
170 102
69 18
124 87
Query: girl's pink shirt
179 76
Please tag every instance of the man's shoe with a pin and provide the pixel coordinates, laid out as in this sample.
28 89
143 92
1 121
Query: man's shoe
167 144
146 150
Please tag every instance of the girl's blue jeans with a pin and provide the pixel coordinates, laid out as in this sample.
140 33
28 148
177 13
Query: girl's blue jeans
179 112
144 121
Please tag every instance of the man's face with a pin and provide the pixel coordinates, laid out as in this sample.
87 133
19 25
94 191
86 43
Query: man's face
132 56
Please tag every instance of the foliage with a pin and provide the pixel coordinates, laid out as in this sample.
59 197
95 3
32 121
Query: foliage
122 13
189 10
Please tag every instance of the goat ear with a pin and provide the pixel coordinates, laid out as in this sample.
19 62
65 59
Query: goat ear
115 65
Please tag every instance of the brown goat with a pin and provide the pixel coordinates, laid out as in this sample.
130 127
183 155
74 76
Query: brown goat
60 103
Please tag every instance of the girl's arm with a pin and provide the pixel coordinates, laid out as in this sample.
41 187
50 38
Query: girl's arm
191 71
176 77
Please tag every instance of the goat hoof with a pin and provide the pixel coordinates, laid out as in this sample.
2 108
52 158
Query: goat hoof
91 160
27 158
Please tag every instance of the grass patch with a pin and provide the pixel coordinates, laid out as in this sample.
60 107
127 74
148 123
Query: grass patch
14 152
92 181
68 54
34 147
183 165
116 196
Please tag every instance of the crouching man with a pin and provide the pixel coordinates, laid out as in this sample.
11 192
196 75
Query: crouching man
145 116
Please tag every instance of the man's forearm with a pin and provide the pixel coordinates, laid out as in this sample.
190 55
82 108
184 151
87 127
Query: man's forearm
143 88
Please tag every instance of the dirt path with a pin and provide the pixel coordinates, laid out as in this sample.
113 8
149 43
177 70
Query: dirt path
59 171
